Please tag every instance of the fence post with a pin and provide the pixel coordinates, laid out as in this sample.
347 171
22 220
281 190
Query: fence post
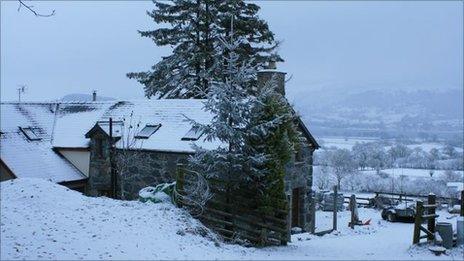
462 203
418 221
312 227
179 182
335 208
431 200
352 205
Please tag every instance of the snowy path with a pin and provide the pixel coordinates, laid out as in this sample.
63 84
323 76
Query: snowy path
41 220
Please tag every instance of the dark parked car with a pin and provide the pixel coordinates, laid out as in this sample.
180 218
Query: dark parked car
401 213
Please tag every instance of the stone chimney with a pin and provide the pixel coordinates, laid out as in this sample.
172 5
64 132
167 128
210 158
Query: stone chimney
271 73
94 96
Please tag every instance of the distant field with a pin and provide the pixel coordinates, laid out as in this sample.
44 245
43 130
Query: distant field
344 143
348 143
413 173
427 146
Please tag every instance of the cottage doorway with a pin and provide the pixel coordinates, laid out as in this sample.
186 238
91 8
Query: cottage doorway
296 207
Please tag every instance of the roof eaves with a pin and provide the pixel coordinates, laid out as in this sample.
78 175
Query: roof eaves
308 134
95 128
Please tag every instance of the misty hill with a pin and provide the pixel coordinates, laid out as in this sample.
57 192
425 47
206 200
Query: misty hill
420 113
84 97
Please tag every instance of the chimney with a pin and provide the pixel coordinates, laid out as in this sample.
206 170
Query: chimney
94 96
271 73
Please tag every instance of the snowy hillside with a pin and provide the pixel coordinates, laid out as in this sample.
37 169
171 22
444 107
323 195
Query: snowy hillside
42 220
339 111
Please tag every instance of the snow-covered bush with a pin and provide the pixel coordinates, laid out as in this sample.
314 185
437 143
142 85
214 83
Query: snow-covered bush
160 193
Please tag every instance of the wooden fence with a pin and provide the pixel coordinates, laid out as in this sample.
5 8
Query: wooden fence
236 216
425 212
411 197
361 201
373 202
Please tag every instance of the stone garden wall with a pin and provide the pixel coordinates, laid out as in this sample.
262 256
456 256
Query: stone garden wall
147 168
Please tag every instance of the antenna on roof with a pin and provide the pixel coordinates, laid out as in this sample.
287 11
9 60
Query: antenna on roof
21 89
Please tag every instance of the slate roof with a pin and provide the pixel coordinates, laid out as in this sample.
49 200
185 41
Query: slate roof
74 120
64 125
26 158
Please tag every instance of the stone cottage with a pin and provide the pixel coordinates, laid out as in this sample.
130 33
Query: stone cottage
86 145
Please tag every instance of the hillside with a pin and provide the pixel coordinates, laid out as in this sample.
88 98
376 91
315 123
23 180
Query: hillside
377 112
42 220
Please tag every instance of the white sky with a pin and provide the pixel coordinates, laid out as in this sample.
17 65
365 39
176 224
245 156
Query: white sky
92 45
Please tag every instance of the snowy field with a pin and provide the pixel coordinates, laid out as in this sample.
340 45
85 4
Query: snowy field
42 220
344 143
427 146
348 143
414 173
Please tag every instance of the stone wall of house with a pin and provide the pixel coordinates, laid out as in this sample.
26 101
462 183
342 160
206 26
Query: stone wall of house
300 176
5 173
146 168
99 183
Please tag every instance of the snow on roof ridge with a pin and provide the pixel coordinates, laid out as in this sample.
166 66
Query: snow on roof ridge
86 102
99 102
55 102
27 103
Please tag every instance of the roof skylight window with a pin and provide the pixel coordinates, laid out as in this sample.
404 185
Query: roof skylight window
147 131
30 133
193 134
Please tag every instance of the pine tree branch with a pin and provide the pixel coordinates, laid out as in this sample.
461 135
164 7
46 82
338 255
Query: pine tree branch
32 10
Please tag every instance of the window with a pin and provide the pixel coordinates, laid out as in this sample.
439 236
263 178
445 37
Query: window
30 133
147 131
193 134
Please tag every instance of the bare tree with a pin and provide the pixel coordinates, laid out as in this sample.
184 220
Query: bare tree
128 151
32 9
195 194
322 177
342 164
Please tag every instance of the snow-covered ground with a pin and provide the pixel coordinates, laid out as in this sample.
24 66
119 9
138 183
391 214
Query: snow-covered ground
427 146
414 173
344 143
42 220
349 142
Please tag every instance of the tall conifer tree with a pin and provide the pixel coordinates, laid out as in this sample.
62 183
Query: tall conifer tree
257 133
193 28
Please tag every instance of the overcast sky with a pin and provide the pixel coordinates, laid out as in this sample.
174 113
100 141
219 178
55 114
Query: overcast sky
92 45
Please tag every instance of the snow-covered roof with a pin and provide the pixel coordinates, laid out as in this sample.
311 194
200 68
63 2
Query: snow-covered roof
65 124
32 158
74 120
172 114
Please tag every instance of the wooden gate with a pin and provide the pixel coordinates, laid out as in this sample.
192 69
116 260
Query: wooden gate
425 212
236 215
